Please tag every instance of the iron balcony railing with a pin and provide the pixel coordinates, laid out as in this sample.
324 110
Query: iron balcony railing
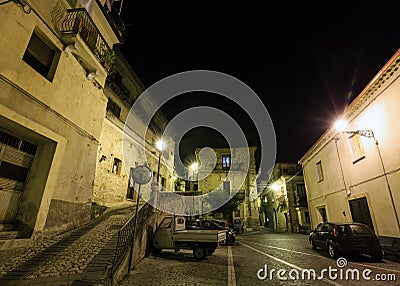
116 22
119 88
79 22
218 167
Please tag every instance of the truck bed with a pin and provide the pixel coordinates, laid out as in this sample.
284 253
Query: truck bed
200 235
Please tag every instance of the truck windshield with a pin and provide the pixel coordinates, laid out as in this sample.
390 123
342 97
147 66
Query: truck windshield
166 222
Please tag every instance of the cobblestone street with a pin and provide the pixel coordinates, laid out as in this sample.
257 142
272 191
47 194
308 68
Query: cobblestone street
68 258
180 269
240 264
67 254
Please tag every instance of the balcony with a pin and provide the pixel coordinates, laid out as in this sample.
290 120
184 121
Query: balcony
238 167
115 20
118 87
84 40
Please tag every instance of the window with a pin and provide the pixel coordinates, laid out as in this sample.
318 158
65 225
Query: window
118 79
17 143
226 161
116 169
320 174
301 194
40 57
301 190
113 108
357 148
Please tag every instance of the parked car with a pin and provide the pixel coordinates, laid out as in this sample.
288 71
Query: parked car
346 238
221 222
212 224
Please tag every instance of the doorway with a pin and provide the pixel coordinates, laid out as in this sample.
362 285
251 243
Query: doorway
360 211
16 157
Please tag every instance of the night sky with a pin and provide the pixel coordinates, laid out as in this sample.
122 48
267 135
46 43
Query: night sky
306 61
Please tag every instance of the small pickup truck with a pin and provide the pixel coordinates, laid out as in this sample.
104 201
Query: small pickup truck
172 234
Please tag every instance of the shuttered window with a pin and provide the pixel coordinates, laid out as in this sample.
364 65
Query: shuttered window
39 56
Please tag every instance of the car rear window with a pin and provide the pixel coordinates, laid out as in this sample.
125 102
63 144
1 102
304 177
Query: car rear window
355 229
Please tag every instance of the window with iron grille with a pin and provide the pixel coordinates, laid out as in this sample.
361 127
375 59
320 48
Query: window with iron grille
17 143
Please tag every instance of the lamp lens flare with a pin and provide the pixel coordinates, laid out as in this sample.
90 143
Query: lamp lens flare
275 186
160 145
341 125
194 166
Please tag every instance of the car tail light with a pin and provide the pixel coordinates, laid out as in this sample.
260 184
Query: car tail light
335 231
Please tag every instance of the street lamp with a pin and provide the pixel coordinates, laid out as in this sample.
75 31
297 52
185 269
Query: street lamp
275 186
341 126
160 146
194 167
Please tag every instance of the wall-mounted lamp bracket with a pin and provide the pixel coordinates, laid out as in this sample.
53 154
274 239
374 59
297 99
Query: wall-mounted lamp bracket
366 133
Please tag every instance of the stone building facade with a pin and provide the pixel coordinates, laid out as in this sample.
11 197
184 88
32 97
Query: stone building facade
284 200
353 174
217 179
54 61
112 184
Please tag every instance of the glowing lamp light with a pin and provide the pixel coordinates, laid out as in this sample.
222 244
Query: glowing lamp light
341 125
160 145
194 166
275 186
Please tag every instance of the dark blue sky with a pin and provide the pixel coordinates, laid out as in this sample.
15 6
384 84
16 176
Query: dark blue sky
306 60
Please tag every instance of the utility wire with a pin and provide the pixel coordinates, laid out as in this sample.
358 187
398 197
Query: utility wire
294 176
5 2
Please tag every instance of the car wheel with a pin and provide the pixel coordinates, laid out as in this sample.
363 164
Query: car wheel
332 251
199 252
